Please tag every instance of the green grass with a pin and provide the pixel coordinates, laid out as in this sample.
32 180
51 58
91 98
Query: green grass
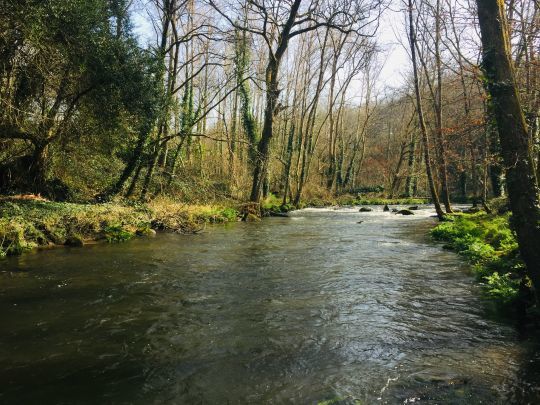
27 224
489 244
273 204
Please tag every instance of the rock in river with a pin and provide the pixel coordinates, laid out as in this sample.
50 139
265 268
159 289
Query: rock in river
405 212
365 209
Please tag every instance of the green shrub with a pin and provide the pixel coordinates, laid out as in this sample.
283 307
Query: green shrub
503 287
491 246
230 214
116 233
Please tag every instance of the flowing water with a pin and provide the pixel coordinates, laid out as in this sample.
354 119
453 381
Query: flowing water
311 308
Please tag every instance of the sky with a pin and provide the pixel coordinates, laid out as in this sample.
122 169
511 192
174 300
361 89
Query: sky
391 38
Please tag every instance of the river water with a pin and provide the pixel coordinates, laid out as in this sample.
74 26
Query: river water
311 308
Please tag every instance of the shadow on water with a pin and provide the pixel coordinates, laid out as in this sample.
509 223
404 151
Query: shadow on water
306 309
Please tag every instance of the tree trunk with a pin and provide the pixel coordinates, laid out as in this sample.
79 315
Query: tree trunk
445 196
263 147
272 94
134 180
411 167
514 137
425 138
38 168
133 163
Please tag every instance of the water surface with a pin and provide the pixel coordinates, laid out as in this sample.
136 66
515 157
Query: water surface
296 310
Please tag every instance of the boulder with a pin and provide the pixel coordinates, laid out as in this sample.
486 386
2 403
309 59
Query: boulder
365 209
405 212
386 208
413 208
395 210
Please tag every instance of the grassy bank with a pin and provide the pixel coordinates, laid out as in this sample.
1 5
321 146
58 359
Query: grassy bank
489 244
27 224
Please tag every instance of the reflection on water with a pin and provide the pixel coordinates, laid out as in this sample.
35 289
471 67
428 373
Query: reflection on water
291 310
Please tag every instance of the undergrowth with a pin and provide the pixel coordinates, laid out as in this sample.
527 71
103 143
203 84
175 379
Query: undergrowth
489 244
27 224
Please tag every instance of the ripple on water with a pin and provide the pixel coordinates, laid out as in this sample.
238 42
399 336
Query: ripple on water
290 310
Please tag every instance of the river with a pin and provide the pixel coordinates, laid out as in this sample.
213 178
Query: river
311 308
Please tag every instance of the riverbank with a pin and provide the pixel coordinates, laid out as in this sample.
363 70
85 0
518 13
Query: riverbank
488 243
30 223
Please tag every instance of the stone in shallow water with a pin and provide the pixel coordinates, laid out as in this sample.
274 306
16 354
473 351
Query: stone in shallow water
405 212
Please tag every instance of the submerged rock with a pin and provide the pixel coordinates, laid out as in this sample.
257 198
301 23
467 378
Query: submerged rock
413 208
395 210
405 212
365 209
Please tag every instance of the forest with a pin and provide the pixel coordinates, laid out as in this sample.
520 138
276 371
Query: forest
241 99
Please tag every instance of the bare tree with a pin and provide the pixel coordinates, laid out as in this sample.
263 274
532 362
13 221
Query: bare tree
420 111
278 23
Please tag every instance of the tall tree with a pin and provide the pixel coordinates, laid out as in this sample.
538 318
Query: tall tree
277 24
420 111
514 137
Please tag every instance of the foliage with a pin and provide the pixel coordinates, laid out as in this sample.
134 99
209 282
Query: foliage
94 90
273 205
503 287
27 224
490 245
116 233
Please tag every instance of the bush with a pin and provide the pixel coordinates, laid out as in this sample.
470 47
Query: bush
116 233
502 287
491 246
